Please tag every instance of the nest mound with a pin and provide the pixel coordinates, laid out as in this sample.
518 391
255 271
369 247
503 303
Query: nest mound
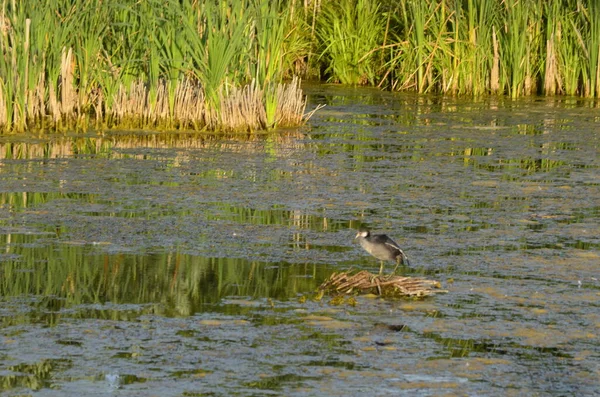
366 282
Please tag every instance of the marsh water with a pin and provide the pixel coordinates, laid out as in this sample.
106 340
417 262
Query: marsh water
176 264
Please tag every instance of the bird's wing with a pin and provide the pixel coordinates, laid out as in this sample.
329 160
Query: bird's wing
391 243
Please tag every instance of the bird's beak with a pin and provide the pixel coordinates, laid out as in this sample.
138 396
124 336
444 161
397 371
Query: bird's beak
357 234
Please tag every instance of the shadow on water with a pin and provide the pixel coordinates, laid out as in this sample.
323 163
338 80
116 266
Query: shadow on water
186 264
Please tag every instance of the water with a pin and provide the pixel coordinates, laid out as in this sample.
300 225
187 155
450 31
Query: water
186 264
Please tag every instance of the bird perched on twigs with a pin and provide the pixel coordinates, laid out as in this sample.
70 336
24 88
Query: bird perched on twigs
382 247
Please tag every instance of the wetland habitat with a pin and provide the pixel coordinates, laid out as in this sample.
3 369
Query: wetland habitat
186 264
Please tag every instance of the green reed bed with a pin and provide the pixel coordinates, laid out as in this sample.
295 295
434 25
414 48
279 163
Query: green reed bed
221 65
513 47
157 63
350 31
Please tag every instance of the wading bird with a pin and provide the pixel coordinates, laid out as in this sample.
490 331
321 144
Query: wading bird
382 247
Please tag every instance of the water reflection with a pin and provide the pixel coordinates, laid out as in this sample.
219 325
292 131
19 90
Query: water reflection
139 145
35 377
76 281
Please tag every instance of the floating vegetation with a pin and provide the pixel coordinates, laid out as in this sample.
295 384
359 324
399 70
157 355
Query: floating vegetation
390 286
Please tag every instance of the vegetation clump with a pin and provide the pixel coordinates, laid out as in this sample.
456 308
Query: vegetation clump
165 64
389 286
513 47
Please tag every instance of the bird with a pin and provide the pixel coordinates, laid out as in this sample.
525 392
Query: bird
382 247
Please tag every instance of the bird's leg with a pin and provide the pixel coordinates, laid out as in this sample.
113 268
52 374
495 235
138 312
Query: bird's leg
396 268
380 268
402 259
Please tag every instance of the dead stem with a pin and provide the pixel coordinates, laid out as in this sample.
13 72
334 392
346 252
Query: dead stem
366 282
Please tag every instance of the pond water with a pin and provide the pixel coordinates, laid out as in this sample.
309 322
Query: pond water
187 264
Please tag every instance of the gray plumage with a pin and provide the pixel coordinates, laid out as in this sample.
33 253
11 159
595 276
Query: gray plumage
382 247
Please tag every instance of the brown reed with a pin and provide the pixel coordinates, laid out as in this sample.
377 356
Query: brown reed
238 108
391 286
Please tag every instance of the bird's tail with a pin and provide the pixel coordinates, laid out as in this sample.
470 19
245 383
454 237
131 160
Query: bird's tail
404 260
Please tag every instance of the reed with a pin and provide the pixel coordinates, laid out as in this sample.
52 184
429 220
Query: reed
593 74
587 30
521 38
167 64
552 82
269 27
441 47
473 47
79 64
349 31
514 47
570 53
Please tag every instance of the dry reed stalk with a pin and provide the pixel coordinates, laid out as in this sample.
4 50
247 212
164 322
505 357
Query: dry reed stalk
366 282
529 85
68 94
37 98
28 105
598 74
139 106
290 104
97 101
552 81
155 111
495 73
130 104
242 109
161 112
3 110
189 107
549 72
53 104
239 109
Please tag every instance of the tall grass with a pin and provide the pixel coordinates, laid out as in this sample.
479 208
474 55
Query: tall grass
175 63
520 37
513 47
349 32
156 63
588 35
473 52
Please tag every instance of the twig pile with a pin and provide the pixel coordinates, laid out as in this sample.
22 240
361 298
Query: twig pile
366 282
